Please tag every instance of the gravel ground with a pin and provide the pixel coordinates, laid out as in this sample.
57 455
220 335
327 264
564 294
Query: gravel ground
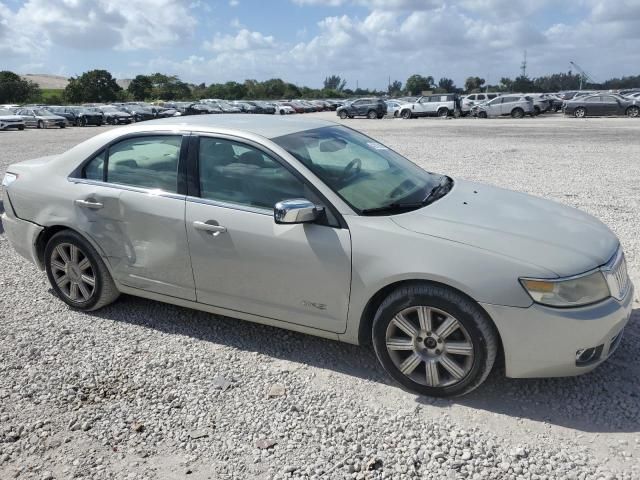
146 390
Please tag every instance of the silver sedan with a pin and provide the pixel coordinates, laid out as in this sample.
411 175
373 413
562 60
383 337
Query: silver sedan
311 226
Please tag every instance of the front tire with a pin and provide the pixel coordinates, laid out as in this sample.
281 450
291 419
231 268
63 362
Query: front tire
580 112
633 112
433 340
406 114
443 112
77 273
343 115
482 114
372 115
517 113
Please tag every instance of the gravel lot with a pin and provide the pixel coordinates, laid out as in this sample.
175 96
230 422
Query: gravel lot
145 390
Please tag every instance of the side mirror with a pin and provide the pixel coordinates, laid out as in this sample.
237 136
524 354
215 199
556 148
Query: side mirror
299 210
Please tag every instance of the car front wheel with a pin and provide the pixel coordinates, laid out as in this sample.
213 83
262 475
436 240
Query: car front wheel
580 112
77 273
433 340
343 115
633 112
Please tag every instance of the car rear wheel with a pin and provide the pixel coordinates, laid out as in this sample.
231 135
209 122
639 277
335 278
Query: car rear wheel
443 112
343 115
482 114
536 110
77 273
517 113
372 114
580 112
406 114
633 112
433 340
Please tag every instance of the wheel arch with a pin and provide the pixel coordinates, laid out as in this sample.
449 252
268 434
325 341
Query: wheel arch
369 311
50 230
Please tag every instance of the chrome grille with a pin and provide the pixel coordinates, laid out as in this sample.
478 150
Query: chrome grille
617 276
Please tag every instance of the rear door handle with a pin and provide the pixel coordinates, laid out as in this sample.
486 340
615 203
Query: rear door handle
87 204
209 227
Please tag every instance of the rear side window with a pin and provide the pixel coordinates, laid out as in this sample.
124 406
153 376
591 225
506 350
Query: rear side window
147 162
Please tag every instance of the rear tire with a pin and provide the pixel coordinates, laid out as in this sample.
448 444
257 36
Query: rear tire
406 114
372 115
536 111
433 340
517 113
482 114
443 112
580 112
77 273
343 115
21 127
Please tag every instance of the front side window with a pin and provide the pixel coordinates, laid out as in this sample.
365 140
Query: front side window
364 173
233 172
147 162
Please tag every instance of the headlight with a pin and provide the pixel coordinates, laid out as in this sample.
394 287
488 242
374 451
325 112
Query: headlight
569 292
8 179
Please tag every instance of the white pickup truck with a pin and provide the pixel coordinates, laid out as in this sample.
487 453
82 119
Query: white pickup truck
439 104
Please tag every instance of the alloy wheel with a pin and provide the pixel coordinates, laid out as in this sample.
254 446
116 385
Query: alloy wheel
73 272
429 346
633 112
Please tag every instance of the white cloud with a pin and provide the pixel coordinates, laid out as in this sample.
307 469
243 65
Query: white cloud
243 41
100 24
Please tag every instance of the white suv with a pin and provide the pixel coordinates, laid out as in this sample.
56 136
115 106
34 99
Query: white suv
439 104
474 99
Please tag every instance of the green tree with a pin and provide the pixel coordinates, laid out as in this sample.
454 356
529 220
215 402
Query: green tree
416 84
523 84
447 85
141 87
92 86
14 89
395 88
274 88
473 84
334 82
169 87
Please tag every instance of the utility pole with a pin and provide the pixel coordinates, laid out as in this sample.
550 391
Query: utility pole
523 66
584 76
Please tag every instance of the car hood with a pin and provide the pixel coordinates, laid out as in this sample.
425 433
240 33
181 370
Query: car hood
11 117
560 239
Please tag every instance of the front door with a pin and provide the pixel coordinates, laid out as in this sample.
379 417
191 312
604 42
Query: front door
126 200
244 261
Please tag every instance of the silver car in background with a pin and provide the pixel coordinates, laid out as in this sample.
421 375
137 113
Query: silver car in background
8 119
514 105
41 118
311 226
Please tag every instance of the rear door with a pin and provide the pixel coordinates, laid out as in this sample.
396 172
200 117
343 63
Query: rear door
610 105
130 200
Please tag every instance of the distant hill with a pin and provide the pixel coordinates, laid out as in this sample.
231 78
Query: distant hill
58 82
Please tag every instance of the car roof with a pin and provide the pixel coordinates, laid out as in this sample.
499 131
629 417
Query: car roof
265 126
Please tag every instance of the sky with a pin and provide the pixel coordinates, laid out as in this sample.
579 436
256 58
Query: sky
303 41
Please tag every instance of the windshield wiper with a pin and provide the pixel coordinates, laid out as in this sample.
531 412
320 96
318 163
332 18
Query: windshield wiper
392 207
436 192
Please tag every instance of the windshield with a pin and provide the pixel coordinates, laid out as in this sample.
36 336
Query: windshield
4 111
43 112
364 173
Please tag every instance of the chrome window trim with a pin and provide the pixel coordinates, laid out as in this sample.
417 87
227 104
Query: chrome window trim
148 191
229 205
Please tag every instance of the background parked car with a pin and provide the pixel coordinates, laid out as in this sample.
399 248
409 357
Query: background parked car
364 107
138 113
602 105
284 109
468 101
79 116
441 105
515 105
41 118
112 115
8 119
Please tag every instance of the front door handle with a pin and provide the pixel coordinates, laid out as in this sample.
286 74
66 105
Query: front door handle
209 227
89 204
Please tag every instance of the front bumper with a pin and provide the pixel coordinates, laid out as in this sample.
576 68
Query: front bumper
540 341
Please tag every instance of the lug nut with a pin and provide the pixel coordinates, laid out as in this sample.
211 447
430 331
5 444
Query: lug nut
439 340
437 352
